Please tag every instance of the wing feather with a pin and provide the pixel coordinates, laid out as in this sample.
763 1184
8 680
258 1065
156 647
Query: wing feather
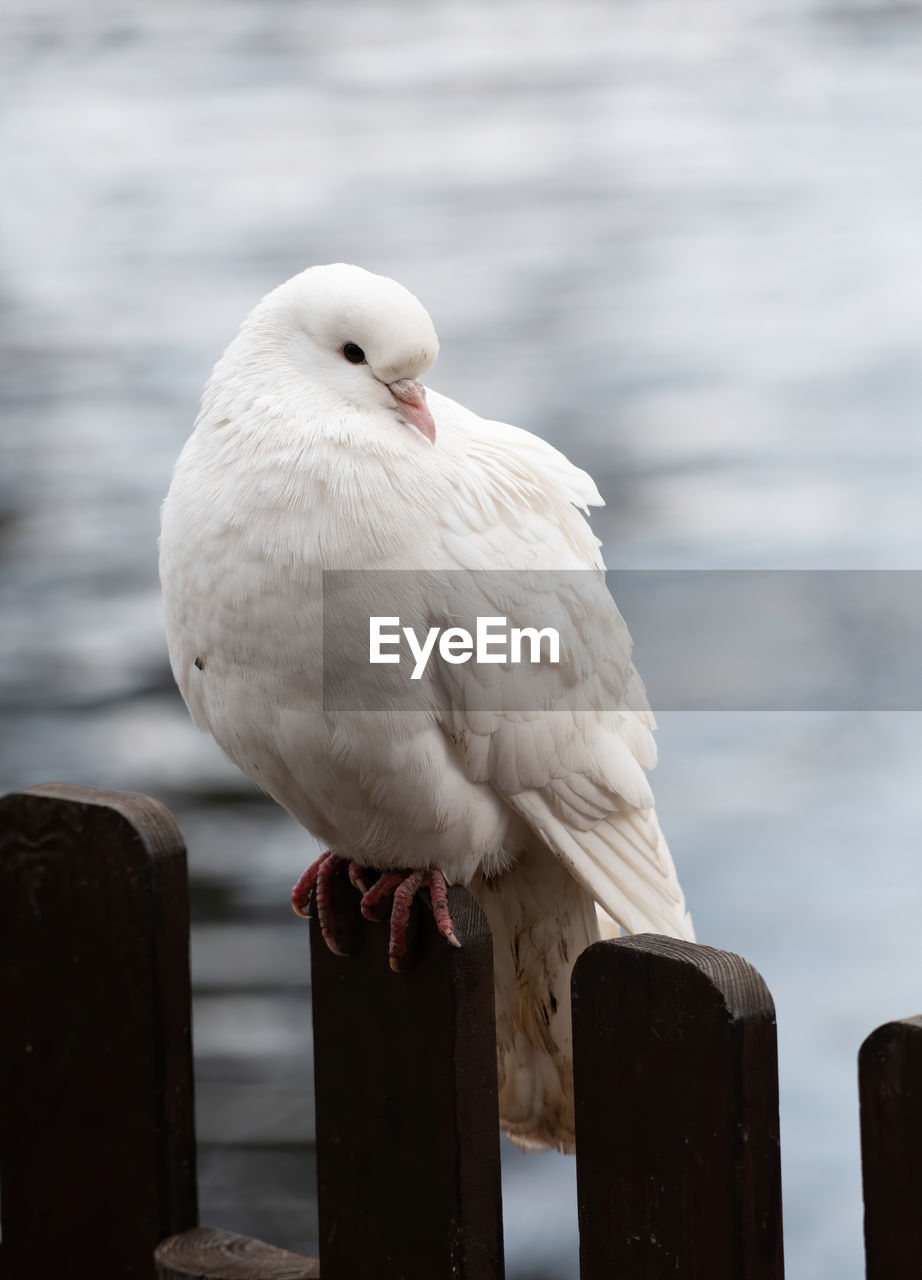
572 761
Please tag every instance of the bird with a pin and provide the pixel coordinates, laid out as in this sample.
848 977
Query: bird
319 450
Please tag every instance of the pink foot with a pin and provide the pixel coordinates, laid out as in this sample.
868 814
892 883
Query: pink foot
318 879
403 885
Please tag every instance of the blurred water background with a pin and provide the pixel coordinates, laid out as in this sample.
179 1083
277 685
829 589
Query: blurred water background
680 241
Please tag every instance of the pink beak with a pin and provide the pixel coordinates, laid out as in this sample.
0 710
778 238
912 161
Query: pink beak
411 399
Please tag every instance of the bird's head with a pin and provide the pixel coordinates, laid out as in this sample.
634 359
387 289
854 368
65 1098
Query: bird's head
362 338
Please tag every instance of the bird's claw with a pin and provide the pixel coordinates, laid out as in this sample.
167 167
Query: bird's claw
402 885
405 886
374 901
301 893
357 879
319 879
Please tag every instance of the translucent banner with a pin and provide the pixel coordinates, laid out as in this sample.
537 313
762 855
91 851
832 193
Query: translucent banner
710 640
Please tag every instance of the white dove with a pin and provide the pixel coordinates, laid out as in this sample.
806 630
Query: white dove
317 448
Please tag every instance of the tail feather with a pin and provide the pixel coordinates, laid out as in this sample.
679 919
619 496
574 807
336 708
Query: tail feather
541 920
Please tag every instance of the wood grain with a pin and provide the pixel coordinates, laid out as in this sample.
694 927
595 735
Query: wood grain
207 1254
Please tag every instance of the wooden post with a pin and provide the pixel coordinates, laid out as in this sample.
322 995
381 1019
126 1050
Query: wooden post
678 1160
97 1155
407 1116
890 1086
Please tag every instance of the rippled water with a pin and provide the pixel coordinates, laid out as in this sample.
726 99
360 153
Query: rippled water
680 241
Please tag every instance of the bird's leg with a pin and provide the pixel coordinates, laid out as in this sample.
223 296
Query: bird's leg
319 879
404 885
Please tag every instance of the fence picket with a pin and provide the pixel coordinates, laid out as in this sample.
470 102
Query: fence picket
408 1166
678 1164
890 1086
97 1154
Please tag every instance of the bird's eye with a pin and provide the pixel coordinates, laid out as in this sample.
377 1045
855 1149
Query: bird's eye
353 353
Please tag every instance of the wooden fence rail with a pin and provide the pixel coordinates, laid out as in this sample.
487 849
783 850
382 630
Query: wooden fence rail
676 1088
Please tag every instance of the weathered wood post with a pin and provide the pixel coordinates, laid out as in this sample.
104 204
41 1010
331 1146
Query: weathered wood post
890 1086
678 1159
97 1154
408 1163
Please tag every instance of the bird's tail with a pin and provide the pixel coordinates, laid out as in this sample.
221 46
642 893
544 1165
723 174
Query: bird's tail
541 920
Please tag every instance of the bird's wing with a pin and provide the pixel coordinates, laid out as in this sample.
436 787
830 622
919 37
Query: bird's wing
567 745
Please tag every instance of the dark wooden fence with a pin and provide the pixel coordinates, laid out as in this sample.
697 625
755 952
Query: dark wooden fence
676 1086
